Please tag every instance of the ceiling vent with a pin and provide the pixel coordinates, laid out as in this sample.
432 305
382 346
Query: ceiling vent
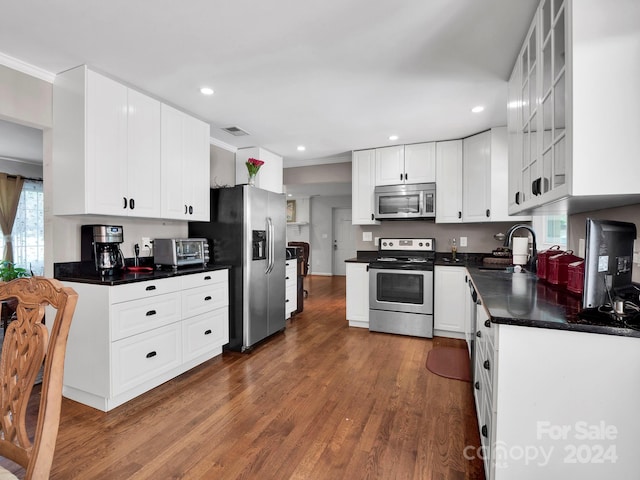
235 131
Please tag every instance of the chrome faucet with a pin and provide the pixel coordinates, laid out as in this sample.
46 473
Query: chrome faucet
533 257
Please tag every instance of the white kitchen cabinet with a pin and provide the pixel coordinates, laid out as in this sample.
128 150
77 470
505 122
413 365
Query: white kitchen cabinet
270 174
106 147
574 49
449 181
128 339
476 178
291 287
362 187
410 164
185 166
358 294
448 310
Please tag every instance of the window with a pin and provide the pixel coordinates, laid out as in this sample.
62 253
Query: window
550 230
28 228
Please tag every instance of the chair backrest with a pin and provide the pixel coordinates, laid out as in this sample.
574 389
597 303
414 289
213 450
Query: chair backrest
27 343
305 255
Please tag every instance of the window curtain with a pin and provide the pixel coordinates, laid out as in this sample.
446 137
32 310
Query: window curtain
10 189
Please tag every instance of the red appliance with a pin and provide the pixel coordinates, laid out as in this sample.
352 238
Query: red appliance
575 272
557 267
543 258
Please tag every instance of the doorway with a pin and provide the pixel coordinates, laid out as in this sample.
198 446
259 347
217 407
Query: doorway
344 240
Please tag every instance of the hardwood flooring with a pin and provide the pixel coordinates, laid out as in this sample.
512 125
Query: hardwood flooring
319 401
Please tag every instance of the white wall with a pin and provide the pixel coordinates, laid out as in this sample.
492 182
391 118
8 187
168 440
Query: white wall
321 232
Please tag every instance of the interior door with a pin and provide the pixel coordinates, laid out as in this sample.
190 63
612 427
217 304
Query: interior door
344 242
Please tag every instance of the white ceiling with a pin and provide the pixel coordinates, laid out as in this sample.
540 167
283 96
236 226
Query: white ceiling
333 75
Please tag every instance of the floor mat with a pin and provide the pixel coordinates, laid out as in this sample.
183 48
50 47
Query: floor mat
450 363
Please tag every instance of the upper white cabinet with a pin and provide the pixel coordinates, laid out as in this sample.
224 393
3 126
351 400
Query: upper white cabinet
270 174
107 142
472 180
106 147
449 181
185 166
362 186
571 131
400 164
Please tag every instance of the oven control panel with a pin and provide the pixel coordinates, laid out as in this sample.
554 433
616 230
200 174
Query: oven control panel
407 244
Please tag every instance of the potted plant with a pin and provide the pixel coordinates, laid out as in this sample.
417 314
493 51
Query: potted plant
9 271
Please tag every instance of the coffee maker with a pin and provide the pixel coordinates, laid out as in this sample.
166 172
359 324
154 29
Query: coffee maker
101 244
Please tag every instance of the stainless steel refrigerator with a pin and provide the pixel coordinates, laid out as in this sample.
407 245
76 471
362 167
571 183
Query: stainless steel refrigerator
248 232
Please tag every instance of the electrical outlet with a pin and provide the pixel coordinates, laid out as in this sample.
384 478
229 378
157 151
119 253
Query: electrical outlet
463 241
145 242
146 247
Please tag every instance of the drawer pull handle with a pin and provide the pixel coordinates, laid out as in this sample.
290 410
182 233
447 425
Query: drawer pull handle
150 287
207 298
478 334
151 354
487 323
286 278
286 301
477 385
485 431
151 312
208 277
486 364
207 332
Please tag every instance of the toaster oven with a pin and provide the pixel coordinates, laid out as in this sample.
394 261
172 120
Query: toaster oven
180 252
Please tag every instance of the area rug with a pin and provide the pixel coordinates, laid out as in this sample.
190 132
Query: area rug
450 362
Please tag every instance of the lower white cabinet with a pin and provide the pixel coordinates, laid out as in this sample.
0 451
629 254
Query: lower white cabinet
291 287
358 294
448 309
127 339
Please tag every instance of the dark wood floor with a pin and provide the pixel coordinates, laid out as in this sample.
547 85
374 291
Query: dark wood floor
319 401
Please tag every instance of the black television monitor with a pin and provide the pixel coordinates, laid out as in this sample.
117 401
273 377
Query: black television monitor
608 260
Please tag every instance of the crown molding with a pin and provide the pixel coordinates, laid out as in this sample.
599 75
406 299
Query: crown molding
24 67
224 145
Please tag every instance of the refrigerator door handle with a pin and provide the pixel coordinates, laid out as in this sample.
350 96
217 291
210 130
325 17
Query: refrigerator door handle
270 249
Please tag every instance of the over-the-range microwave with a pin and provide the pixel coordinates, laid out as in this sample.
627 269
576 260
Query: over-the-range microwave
405 202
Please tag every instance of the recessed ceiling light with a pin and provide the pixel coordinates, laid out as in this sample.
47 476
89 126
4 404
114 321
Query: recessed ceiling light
289 194
301 148
393 137
206 91
477 109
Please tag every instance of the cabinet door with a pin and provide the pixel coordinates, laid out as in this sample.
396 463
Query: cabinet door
196 165
172 204
476 169
449 181
448 300
420 162
143 155
362 186
106 146
358 294
390 165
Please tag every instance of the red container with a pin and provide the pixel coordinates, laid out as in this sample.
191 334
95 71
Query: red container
543 258
575 272
558 268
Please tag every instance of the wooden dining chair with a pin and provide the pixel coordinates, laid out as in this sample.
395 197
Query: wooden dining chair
27 344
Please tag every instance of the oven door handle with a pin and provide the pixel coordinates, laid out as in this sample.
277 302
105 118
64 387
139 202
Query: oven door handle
422 204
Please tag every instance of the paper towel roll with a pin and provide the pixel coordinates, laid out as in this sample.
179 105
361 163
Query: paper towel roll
520 250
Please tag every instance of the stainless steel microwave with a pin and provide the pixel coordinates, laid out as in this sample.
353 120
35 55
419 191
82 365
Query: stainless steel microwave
404 202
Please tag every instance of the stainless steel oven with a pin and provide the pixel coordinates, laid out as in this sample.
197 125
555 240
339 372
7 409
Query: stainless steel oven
401 287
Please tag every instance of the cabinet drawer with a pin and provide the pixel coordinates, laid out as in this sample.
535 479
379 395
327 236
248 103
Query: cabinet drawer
203 299
137 290
204 333
205 278
137 316
142 357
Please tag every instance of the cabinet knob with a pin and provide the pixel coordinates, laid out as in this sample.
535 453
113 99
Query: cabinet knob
207 332
400 177
208 277
190 209
488 213
132 203
478 334
477 385
459 214
150 313
406 176
517 198
487 323
150 287
207 298
485 431
151 354
372 217
186 209
486 365
125 202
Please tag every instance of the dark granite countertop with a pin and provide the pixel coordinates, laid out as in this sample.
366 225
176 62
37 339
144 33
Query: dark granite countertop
523 299
83 272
